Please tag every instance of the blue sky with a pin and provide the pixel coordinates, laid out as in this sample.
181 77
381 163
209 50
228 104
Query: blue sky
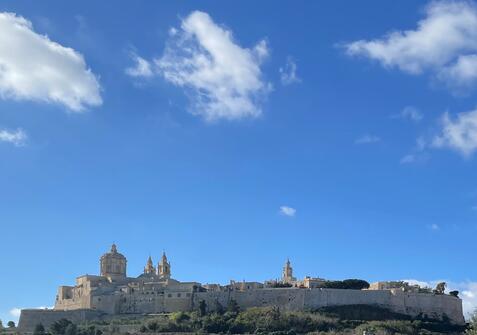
339 134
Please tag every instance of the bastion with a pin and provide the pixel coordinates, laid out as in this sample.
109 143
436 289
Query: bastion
113 294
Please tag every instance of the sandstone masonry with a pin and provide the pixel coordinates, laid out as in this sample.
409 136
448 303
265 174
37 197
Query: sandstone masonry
112 293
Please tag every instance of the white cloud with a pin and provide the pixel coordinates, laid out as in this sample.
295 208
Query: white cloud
411 113
367 139
287 211
141 68
15 312
223 80
435 227
461 74
288 73
444 43
32 67
467 289
408 159
17 137
459 134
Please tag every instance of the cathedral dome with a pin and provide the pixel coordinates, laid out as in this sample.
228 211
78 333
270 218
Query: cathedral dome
113 264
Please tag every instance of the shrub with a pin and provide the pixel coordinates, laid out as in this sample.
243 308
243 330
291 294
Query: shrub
348 284
59 327
39 329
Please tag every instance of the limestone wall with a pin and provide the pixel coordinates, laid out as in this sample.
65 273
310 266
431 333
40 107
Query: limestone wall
293 299
29 318
412 304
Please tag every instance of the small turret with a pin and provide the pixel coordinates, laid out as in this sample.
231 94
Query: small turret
164 267
149 268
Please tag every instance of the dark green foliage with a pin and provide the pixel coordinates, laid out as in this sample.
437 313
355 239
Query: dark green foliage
233 307
59 327
454 293
11 324
348 284
281 285
219 309
71 329
472 329
346 320
202 308
153 325
39 330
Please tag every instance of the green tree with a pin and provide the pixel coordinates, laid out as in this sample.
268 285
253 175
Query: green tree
59 327
71 329
39 330
153 325
11 324
454 293
1 325
472 330
202 308
232 306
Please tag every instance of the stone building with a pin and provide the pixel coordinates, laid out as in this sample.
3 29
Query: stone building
114 293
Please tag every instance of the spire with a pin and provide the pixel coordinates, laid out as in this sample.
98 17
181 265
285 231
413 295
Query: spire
287 274
149 268
164 267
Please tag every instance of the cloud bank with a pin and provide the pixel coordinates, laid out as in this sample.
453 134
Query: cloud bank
32 67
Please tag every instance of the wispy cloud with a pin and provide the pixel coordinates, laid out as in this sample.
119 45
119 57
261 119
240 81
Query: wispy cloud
434 227
287 211
410 113
141 68
223 79
444 43
459 134
288 73
17 137
367 139
35 68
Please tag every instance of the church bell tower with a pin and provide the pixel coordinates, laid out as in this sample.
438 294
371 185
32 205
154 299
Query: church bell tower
164 267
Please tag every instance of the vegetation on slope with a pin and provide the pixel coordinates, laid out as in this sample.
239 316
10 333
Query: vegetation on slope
269 320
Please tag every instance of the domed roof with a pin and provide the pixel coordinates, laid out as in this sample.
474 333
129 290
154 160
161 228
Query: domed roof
113 253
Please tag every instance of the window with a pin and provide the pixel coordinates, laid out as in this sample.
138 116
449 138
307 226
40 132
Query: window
169 295
178 295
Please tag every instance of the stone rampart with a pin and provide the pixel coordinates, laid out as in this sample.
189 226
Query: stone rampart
413 304
29 318
422 305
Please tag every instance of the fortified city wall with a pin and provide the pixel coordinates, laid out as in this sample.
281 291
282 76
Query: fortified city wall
114 294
